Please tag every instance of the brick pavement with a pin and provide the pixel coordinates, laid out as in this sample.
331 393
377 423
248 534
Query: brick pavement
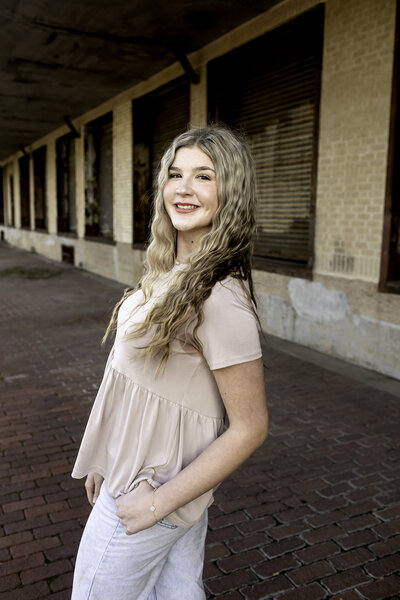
314 514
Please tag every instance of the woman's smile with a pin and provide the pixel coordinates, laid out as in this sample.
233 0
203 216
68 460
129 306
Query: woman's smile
185 207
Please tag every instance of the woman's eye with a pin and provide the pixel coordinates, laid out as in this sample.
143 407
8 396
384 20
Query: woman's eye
174 175
205 177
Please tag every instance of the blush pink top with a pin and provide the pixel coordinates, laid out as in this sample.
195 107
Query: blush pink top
147 427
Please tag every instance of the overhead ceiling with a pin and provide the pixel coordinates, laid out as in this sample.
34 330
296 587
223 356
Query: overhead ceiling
65 57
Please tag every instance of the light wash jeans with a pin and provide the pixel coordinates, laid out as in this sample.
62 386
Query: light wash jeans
163 562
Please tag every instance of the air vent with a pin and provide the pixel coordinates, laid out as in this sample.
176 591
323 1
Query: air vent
67 253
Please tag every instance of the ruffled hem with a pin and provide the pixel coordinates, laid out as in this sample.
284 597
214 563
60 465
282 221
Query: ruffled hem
134 434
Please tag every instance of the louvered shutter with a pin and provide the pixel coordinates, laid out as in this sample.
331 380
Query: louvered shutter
157 119
24 191
39 169
99 177
105 177
269 89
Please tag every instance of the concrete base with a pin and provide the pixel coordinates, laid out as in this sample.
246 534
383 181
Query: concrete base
116 261
343 318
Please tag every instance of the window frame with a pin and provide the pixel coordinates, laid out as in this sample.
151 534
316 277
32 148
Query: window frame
392 193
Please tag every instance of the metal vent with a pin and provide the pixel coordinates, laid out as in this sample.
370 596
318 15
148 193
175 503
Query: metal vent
68 254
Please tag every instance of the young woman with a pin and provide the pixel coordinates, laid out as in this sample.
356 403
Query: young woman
182 402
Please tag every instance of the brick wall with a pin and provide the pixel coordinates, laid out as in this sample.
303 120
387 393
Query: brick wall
9 170
17 193
31 194
123 185
51 187
354 125
198 99
80 183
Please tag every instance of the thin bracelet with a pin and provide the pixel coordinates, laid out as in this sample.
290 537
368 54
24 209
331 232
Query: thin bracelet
153 508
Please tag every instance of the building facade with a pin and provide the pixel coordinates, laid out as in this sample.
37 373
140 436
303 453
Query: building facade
314 86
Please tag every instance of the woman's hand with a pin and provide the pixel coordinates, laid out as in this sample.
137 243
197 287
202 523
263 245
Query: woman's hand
134 508
93 484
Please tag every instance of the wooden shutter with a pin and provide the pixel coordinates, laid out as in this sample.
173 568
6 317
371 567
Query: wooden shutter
24 191
99 177
39 169
65 162
270 89
157 119
105 177
62 151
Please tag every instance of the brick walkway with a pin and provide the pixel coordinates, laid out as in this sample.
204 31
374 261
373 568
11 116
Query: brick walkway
313 514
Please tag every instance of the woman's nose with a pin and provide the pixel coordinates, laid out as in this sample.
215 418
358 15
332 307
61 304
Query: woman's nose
183 188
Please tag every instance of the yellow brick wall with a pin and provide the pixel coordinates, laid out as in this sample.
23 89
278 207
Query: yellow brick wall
122 168
31 194
6 190
51 187
17 193
80 183
353 143
4 184
198 99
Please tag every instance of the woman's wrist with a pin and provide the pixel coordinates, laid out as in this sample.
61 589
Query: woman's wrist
153 507
171 496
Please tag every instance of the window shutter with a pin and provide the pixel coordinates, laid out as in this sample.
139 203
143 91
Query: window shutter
105 178
39 169
24 191
157 119
99 177
66 219
269 89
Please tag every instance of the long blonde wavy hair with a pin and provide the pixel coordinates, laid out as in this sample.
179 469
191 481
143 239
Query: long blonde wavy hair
225 250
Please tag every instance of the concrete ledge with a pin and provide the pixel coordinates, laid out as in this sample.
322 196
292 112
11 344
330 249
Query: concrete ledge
337 365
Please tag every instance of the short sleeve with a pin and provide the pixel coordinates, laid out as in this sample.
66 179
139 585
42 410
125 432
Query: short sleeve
229 332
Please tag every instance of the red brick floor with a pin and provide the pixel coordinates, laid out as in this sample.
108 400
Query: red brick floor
314 514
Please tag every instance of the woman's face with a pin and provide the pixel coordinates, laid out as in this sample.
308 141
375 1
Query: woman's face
190 194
